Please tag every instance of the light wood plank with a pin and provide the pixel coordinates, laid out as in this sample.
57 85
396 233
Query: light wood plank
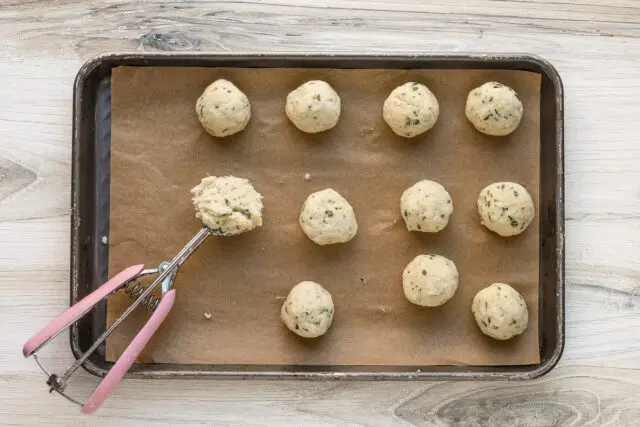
596 48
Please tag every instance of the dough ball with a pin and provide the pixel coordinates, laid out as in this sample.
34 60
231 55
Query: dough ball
430 280
426 206
308 310
506 208
227 205
223 109
494 109
313 107
410 109
500 311
328 218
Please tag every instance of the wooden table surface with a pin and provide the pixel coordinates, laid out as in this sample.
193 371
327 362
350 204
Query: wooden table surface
595 45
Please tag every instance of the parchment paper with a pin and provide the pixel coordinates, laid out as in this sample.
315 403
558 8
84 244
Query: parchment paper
159 152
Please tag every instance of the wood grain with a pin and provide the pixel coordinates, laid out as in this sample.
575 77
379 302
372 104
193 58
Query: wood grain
594 44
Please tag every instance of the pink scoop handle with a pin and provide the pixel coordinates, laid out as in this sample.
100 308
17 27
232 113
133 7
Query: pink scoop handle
130 354
77 310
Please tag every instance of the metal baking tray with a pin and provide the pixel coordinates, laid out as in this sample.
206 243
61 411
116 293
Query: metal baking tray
90 207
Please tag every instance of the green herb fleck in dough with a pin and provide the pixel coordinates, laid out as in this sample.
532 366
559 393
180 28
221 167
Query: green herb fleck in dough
488 116
514 223
483 322
316 97
419 227
424 272
497 85
244 212
489 320
490 98
416 122
415 113
406 214
407 121
328 213
226 202
513 321
515 193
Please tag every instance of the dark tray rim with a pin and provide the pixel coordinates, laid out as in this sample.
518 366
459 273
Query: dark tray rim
325 60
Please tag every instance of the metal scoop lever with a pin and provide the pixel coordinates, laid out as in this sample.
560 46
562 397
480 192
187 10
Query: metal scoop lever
166 274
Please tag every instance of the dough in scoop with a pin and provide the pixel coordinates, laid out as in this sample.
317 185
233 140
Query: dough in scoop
426 206
313 107
411 109
328 218
308 310
223 109
500 311
430 280
228 205
506 208
494 109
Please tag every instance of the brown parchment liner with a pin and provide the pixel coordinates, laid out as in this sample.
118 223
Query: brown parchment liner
159 152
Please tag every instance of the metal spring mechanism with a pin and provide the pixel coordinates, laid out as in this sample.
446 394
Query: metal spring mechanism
135 289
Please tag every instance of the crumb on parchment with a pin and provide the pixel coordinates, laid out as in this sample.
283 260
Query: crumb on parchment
207 315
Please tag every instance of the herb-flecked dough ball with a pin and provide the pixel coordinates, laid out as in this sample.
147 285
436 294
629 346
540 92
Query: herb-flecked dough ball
494 109
228 205
308 310
411 110
313 107
223 109
500 311
327 218
506 208
430 280
426 206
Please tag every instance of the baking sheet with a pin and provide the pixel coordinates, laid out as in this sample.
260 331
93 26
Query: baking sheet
160 151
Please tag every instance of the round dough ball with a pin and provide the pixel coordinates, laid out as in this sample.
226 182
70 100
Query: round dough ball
430 280
411 109
227 205
313 107
494 109
506 208
328 218
308 310
500 311
223 109
426 206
